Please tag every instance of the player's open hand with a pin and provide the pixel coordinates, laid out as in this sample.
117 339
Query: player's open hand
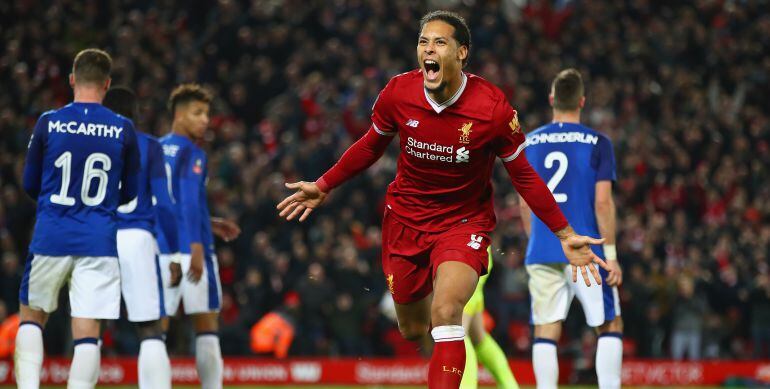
175 270
577 249
615 277
227 230
302 203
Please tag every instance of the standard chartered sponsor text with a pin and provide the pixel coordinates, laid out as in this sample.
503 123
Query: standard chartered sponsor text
429 151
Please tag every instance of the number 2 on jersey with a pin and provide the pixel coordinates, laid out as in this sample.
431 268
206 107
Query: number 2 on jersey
561 171
90 173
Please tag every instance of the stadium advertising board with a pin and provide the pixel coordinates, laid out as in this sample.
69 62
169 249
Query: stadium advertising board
252 371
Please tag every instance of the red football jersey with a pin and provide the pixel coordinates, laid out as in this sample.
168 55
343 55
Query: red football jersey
448 150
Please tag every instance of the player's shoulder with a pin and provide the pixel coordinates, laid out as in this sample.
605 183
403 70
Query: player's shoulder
480 87
484 99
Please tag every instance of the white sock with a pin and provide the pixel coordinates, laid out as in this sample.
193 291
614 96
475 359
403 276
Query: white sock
609 360
84 371
208 359
154 365
28 355
545 362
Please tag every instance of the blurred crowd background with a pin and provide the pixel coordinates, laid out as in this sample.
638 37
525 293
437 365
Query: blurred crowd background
678 86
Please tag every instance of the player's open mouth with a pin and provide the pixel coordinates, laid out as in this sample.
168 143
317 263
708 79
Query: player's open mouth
431 69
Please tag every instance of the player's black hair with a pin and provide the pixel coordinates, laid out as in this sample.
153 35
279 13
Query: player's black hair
121 100
186 93
567 90
92 66
462 33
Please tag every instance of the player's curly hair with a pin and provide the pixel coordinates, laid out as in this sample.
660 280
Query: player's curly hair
186 93
462 33
92 66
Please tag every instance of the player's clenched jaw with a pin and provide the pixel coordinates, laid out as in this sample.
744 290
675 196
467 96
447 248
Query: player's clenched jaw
442 51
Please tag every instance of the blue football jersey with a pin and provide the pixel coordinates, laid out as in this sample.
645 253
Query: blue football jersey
152 195
571 159
77 157
188 169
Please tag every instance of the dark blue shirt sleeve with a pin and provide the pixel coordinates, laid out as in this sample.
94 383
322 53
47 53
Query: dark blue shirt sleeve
131 165
191 181
161 191
603 160
33 165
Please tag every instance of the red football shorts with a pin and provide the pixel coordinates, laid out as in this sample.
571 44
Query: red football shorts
410 257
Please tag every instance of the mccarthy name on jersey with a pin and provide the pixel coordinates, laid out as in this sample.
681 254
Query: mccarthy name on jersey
448 150
77 158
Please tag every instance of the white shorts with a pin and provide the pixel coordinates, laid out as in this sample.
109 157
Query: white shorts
552 291
140 278
203 297
94 285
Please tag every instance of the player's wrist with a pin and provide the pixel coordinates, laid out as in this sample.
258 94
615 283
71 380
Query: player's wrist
565 233
322 185
175 258
610 252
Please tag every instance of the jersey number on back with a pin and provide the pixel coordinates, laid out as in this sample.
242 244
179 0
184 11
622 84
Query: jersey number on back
561 171
90 173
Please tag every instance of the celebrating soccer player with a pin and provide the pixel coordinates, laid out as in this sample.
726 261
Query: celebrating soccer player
580 166
77 157
200 289
140 281
452 125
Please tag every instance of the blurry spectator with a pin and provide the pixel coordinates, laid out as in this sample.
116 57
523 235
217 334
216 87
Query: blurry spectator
10 280
274 332
687 323
8 327
760 316
346 325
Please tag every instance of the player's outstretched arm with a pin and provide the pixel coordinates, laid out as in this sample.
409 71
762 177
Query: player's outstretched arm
302 203
357 158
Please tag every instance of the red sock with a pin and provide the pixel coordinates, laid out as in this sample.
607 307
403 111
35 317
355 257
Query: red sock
448 359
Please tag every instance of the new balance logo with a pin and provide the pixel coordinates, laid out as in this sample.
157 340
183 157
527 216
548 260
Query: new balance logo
412 123
475 242
463 155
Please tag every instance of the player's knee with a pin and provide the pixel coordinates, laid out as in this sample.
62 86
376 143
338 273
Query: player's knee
413 331
446 313
615 325
149 329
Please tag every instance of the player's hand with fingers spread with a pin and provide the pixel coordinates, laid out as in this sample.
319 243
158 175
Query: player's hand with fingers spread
196 263
615 276
306 198
577 249
225 229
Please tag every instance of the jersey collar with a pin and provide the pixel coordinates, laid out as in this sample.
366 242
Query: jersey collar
440 107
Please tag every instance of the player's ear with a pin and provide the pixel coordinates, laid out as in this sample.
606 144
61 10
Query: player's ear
550 99
582 102
462 53
107 84
72 80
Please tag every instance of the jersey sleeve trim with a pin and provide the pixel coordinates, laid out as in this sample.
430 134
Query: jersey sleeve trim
515 153
383 133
